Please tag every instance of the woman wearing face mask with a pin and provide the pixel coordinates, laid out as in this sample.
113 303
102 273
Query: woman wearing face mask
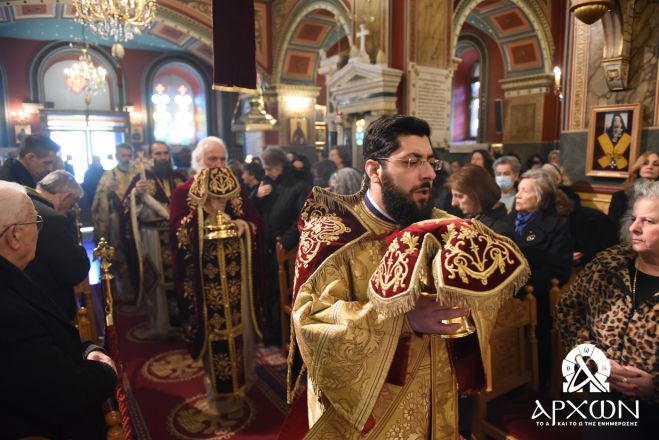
477 195
506 172
645 167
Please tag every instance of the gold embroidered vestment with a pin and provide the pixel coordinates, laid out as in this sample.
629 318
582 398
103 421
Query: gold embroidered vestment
369 375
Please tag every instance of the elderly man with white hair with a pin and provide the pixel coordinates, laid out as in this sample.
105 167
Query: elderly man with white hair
210 152
61 262
53 385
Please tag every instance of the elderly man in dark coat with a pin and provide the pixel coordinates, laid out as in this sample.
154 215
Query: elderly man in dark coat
53 385
61 262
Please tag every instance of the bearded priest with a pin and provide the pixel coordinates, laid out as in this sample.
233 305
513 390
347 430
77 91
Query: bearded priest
380 277
146 234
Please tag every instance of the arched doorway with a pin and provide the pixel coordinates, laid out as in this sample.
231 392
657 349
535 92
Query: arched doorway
512 40
316 31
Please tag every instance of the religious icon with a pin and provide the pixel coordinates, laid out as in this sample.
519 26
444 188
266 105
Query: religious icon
137 134
298 127
613 140
22 131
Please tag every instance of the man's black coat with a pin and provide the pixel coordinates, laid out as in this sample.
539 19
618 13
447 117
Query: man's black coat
281 209
14 171
60 263
48 388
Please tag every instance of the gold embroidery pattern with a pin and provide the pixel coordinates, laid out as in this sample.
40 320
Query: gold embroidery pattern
218 182
182 234
223 366
320 226
473 253
394 268
196 419
172 366
221 182
237 205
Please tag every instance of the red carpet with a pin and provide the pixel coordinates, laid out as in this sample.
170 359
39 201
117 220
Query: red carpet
167 395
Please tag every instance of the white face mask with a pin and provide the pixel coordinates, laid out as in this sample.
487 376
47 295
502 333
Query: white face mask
504 182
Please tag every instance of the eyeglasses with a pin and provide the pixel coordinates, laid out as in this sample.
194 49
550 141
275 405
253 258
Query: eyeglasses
38 222
417 162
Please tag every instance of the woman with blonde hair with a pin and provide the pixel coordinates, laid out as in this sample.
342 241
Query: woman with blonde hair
614 304
645 167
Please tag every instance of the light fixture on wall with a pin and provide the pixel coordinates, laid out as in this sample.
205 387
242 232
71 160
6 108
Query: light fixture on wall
119 20
589 11
297 104
558 91
23 114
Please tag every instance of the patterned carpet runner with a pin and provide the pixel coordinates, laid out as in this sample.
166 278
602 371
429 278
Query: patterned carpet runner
166 393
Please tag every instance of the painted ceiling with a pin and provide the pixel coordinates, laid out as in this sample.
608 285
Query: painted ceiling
180 25
511 28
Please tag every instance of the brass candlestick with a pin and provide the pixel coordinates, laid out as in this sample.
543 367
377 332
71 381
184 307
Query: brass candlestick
223 228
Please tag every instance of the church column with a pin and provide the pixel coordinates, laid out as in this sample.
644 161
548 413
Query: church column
328 67
430 66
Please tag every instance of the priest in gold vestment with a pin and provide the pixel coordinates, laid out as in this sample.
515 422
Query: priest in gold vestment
107 212
146 235
378 277
216 249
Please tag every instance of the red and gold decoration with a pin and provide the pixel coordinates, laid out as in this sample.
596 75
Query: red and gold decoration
457 261
218 271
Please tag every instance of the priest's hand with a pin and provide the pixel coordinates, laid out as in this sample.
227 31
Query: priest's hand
240 226
142 186
428 315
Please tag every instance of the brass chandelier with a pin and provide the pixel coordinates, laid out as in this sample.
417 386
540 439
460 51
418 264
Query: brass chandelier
84 77
119 20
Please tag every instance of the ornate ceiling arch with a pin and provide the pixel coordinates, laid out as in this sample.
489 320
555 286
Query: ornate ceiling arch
519 26
179 24
304 37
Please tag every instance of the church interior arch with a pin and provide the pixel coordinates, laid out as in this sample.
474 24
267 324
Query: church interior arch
514 39
313 31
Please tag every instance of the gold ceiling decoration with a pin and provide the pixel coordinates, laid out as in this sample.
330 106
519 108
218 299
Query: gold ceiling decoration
119 20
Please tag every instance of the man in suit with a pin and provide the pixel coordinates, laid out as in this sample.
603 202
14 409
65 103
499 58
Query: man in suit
53 385
60 262
36 158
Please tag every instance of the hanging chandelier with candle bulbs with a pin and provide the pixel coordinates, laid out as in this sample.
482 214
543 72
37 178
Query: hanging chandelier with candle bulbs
119 20
85 77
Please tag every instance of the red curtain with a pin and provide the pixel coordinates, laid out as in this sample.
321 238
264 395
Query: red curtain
234 45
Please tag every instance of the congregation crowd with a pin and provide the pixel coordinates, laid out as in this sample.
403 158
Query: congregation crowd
195 247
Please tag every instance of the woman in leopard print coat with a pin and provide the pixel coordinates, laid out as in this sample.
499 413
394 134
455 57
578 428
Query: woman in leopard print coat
614 304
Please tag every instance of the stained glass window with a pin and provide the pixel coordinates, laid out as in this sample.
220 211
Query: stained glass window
178 105
474 102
